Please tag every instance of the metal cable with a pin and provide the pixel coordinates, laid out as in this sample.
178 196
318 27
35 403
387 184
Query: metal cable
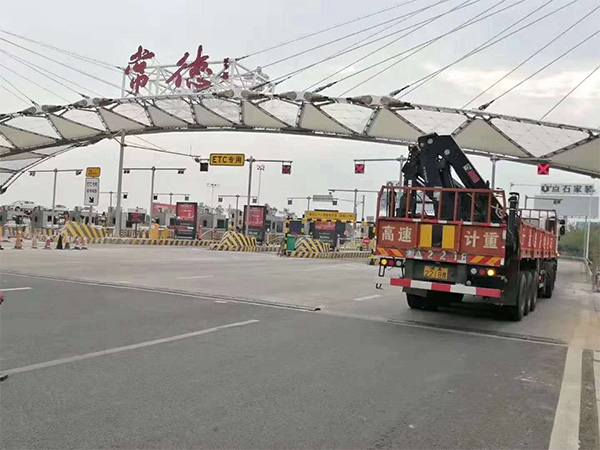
11 92
66 52
289 75
421 81
482 107
413 14
62 64
471 21
323 31
333 41
571 91
33 82
39 70
531 56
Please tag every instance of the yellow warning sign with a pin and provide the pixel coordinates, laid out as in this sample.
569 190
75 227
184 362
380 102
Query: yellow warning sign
92 172
227 159
331 215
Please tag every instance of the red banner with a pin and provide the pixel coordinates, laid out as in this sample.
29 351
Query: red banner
186 212
325 226
256 217
163 207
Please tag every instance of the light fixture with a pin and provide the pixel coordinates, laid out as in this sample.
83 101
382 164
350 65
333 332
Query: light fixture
77 172
32 174
180 171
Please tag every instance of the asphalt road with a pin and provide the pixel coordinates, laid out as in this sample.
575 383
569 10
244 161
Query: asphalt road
96 366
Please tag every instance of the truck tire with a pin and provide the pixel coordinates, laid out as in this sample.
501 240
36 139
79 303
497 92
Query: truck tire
517 311
549 283
528 286
415 301
534 291
429 303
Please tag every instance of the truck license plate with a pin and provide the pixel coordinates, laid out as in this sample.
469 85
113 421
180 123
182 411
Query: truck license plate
437 273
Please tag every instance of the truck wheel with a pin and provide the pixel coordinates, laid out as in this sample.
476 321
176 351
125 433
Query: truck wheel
534 291
517 311
549 284
415 301
528 285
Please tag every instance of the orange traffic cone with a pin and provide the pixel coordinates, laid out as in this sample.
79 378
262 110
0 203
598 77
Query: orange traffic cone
47 246
34 241
19 241
67 243
84 244
77 244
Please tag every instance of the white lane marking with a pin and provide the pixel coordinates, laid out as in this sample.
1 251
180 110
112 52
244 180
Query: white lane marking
368 297
125 348
195 277
597 383
565 432
16 289
220 301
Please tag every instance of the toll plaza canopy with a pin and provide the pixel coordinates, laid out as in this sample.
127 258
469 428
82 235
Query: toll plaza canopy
33 135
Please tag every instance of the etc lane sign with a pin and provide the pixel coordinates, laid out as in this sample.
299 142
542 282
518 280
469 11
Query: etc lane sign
92 192
227 159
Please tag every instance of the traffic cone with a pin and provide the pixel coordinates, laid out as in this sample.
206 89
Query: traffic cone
67 243
19 242
84 244
47 246
77 245
59 243
34 242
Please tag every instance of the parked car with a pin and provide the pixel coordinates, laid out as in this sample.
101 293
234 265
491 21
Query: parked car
22 205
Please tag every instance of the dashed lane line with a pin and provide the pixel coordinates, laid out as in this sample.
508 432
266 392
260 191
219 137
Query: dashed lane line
197 277
125 348
16 289
368 297
597 384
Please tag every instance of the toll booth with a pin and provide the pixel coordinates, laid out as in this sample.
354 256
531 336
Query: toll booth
329 226
257 221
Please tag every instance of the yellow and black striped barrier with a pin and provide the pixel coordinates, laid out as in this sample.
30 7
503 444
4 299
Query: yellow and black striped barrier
82 230
307 247
146 241
233 241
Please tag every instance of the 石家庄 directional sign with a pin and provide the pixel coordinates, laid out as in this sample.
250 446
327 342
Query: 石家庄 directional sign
92 172
227 159
92 191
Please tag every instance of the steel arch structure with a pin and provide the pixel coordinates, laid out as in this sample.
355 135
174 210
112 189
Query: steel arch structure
38 133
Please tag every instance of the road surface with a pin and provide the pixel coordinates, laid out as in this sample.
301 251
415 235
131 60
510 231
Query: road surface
133 347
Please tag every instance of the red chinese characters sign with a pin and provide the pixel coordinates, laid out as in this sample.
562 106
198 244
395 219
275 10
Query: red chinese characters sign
396 234
192 74
136 69
485 241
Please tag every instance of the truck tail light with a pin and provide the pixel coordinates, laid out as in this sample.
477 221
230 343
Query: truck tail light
384 262
491 272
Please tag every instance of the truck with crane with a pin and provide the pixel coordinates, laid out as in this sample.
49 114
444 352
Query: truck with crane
439 238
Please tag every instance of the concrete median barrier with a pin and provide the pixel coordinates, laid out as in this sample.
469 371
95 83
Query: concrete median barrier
237 242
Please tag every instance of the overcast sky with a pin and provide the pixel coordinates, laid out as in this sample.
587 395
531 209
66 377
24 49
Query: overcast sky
111 31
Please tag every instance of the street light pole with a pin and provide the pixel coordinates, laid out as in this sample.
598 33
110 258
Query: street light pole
308 205
212 186
251 161
151 195
54 197
355 201
260 168
586 250
363 209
